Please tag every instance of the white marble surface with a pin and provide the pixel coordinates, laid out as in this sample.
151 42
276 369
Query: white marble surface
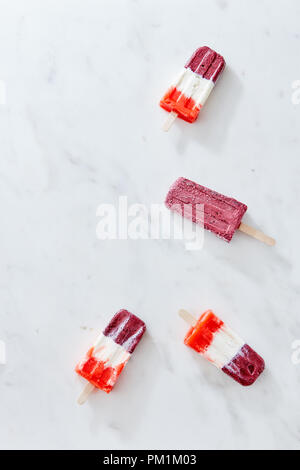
81 126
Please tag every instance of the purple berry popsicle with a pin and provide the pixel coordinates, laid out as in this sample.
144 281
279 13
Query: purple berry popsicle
222 215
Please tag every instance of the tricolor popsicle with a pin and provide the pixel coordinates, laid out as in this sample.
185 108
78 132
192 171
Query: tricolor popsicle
106 359
214 340
222 215
189 92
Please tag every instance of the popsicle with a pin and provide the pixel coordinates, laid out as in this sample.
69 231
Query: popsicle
112 350
191 89
214 340
222 215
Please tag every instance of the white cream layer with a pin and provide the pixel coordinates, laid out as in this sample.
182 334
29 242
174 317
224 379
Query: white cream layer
194 86
106 350
224 347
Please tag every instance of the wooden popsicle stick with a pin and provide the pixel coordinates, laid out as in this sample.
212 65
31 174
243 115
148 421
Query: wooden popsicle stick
186 316
257 234
85 393
170 121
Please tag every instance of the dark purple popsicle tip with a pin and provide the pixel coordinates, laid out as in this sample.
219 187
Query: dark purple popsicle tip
126 330
207 63
245 367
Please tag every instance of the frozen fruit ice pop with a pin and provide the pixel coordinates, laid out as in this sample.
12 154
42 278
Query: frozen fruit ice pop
222 214
106 359
189 92
225 349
